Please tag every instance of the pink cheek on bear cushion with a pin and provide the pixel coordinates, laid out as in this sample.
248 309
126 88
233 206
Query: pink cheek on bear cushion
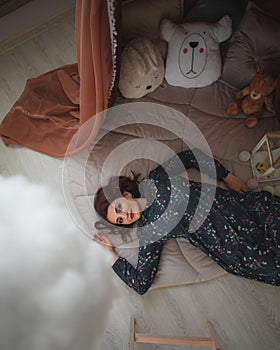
201 50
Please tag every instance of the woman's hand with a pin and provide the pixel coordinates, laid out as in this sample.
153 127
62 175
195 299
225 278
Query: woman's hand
235 183
106 244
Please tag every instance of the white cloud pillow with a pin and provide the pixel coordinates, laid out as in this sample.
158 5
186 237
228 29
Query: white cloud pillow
193 58
57 285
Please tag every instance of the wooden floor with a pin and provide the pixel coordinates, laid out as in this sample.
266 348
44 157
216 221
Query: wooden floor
245 314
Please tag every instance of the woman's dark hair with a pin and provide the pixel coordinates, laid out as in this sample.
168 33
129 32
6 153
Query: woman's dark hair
116 187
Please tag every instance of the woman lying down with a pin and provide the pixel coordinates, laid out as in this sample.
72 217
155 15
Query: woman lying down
240 230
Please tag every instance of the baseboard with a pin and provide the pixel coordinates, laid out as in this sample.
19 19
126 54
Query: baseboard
7 6
32 19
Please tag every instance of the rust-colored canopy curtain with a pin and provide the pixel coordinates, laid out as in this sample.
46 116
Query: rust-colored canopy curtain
55 105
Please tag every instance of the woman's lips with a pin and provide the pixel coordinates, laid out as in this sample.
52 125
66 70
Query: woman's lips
131 215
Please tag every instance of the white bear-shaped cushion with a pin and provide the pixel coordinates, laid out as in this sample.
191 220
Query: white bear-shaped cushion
193 58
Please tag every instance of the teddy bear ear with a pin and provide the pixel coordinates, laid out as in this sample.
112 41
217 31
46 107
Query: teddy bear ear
256 74
167 29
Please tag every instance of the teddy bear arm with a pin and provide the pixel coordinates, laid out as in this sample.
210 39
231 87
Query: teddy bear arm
234 108
268 100
242 93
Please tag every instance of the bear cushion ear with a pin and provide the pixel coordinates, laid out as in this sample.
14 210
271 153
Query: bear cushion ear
167 29
212 11
222 30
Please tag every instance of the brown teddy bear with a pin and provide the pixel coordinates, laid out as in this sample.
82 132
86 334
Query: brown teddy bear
252 98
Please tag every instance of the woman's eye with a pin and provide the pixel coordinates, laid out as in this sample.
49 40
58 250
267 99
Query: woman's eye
118 208
120 220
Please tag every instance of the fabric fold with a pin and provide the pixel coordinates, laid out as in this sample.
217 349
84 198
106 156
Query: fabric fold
57 104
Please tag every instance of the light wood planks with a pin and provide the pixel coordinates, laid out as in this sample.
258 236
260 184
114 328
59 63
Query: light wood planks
245 314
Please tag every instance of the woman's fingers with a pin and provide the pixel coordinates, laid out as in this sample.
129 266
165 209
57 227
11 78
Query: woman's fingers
98 237
243 186
235 183
104 241
106 244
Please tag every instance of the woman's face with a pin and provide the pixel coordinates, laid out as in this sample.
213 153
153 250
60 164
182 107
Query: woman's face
124 211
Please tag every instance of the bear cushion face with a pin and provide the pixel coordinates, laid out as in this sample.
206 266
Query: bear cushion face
193 58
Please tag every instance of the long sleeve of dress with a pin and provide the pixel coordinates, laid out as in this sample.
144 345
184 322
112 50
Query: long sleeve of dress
192 159
141 277
165 203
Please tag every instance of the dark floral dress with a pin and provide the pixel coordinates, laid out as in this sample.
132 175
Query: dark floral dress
241 232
